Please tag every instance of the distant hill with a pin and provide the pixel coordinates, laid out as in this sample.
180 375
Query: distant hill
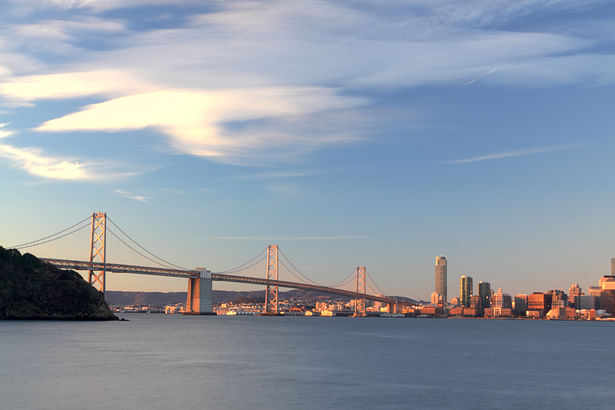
33 289
219 296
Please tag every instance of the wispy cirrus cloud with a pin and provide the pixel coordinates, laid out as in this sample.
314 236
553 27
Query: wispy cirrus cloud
281 174
193 119
129 195
288 238
516 153
4 132
65 85
250 61
284 43
35 162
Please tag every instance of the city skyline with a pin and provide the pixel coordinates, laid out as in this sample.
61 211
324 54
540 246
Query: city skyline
350 135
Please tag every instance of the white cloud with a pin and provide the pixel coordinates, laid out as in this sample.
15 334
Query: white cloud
193 120
596 69
483 13
33 161
283 62
4 133
71 84
510 154
62 29
104 5
255 44
125 194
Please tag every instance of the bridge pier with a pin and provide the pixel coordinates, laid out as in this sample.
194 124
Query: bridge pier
199 298
393 307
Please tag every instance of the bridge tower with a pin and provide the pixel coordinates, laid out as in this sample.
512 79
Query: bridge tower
359 303
271 293
98 240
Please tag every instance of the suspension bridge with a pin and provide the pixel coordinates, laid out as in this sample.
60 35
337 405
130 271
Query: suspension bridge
110 247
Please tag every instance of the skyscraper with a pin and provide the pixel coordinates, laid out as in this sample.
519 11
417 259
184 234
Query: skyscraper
502 300
520 305
441 282
574 292
465 290
484 294
612 266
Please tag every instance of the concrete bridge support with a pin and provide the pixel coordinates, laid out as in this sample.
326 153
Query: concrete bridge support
199 299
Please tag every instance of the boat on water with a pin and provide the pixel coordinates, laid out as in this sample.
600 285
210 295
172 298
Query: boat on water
384 314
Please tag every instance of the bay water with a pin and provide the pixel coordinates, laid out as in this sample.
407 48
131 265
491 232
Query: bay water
156 361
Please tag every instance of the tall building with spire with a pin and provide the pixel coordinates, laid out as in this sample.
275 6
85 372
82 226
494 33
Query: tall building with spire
441 280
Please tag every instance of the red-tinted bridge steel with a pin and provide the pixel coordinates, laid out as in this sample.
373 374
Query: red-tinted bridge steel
222 277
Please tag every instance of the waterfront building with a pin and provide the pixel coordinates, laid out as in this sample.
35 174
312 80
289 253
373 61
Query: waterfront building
465 290
607 282
607 300
456 311
441 279
539 303
378 305
484 294
573 294
471 311
520 305
588 302
594 291
502 300
437 299
498 312
430 310
561 313
558 297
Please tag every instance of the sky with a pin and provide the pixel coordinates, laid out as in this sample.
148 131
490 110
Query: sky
348 132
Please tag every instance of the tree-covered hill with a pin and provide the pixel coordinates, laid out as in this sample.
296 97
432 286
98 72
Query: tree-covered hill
33 289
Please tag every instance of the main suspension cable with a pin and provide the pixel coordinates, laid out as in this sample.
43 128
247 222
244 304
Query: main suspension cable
143 248
373 283
244 265
297 269
34 243
37 243
145 256
343 281
294 275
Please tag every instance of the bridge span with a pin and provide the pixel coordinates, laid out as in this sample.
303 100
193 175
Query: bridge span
221 277
199 298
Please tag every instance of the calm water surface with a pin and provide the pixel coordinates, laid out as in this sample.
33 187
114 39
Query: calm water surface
179 362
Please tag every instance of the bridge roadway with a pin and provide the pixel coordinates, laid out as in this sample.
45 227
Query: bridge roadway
178 273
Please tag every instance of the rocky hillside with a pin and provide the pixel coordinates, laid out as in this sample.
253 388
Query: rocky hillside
32 289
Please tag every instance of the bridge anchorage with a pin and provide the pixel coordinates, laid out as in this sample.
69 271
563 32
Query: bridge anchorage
199 296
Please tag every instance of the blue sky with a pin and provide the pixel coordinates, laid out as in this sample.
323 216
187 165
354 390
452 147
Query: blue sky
348 132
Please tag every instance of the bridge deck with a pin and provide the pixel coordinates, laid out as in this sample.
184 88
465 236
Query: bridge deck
178 273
